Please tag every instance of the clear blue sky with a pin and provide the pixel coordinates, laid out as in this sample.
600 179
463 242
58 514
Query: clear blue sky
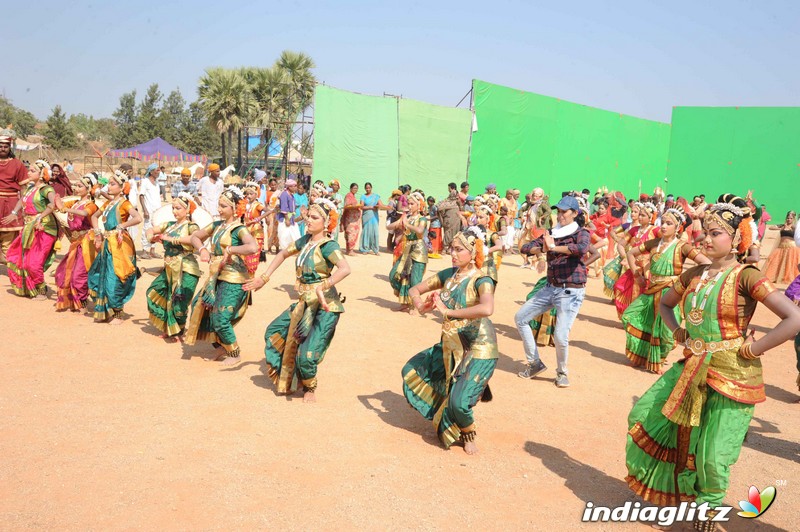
639 58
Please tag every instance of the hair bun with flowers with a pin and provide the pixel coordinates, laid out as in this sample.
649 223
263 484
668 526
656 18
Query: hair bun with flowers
732 214
185 199
234 197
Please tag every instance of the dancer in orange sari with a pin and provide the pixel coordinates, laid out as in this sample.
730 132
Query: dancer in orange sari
351 219
254 214
783 261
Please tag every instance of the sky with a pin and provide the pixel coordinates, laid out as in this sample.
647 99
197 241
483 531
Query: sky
638 58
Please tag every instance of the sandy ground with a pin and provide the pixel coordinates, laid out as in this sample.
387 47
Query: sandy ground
112 428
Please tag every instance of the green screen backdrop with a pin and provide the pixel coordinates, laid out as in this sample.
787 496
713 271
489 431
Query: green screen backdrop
715 150
524 140
388 141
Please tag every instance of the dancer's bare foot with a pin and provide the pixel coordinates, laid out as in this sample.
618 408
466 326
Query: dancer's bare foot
309 397
116 321
401 308
40 297
413 312
231 361
221 353
470 447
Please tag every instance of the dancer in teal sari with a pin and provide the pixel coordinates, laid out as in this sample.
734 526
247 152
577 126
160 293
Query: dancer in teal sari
445 382
297 340
221 303
370 205
112 276
411 253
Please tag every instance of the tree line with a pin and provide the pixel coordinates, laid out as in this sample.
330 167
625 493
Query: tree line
271 98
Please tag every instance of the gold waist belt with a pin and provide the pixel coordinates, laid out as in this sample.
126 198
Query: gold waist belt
699 347
662 279
303 288
448 325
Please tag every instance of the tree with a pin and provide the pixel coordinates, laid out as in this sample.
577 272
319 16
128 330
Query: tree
58 133
269 87
148 124
297 67
225 99
172 116
23 122
125 118
196 133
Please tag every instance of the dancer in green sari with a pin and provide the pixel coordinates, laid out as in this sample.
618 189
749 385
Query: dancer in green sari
171 292
445 382
297 340
222 302
411 253
687 430
648 340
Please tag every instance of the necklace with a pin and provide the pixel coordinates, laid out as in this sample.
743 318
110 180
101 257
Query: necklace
695 316
110 207
452 283
655 256
219 233
309 248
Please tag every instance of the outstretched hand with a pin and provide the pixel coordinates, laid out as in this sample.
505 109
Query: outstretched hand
254 284
427 306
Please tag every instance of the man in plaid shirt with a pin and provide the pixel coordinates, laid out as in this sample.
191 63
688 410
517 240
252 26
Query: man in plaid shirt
564 246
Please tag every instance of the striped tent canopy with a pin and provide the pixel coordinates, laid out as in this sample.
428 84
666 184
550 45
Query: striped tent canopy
156 149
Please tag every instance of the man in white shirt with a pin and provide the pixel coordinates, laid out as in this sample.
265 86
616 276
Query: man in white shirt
209 189
149 200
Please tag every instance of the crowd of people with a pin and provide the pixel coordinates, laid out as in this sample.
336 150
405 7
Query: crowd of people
678 273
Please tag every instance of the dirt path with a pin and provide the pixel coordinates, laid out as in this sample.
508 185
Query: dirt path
111 428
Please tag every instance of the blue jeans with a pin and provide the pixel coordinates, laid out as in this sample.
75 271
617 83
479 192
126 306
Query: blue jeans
567 302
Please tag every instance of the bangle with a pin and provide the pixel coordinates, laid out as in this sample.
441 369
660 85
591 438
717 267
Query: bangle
444 314
14 212
746 351
264 277
680 335
542 258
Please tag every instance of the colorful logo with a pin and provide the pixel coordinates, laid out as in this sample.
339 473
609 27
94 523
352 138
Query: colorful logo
758 502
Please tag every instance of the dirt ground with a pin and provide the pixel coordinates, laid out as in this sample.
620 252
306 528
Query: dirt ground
112 428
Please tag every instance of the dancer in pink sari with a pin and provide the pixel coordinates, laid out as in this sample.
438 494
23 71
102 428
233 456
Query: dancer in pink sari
72 277
31 253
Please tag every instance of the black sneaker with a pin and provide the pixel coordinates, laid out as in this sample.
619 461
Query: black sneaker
532 370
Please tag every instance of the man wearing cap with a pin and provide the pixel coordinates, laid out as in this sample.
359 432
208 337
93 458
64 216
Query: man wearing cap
149 201
12 175
209 189
563 248
184 185
288 231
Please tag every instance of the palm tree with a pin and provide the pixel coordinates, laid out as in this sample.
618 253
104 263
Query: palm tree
300 91
268 87
225 100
